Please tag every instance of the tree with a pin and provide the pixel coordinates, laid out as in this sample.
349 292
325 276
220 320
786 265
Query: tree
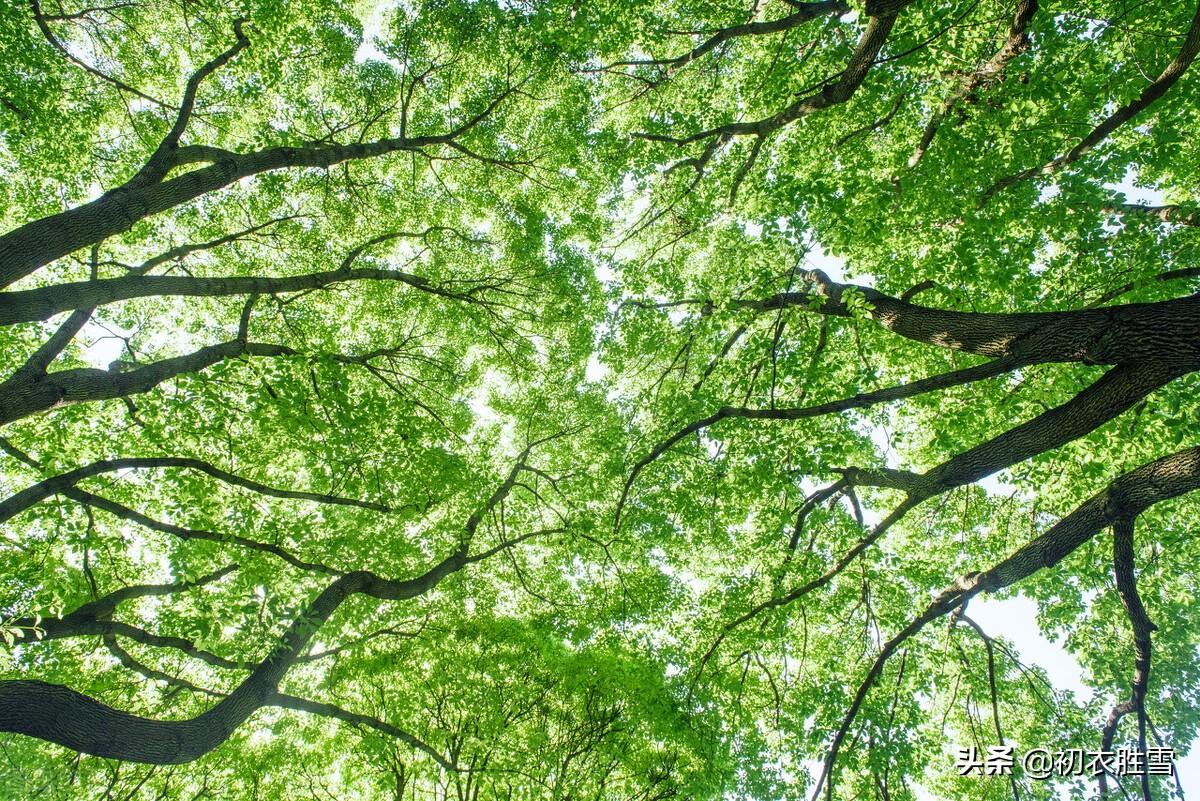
459 400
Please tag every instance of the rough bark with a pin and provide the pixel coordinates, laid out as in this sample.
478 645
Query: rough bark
1150 343
24 394
1164 332
61 715
1114 393
1139 621
1124 499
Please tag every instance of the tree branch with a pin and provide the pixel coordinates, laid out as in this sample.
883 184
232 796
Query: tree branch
861 401
184 533
804 13
1115 392
1156 89
1123 500
1169 275
1139 621
44 27
986 74
178 253
34 494
28 305
1167 331
61 715
835 92
1168 214
355 719
39 242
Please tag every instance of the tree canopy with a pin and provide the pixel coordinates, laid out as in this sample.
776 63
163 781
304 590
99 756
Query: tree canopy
603 399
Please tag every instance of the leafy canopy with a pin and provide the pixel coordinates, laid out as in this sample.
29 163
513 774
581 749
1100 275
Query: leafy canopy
614 400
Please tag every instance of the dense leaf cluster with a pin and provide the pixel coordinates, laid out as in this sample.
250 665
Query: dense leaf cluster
596 399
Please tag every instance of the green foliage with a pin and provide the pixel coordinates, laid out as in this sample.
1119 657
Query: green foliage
584 269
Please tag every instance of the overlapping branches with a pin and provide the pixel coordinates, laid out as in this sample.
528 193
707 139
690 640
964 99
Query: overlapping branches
1124 114
43 22
150 191
830 92
803 12
39 304
985 74
43 489
1148 346
33 388
1116 506
835 91
59 714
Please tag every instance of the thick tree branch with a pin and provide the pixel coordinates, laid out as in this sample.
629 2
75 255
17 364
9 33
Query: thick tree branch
23 394
49 350
1119 503
1151 344
61 715
1139 621
837 91
861 401
1164 331
39 242
38 304
1115 392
